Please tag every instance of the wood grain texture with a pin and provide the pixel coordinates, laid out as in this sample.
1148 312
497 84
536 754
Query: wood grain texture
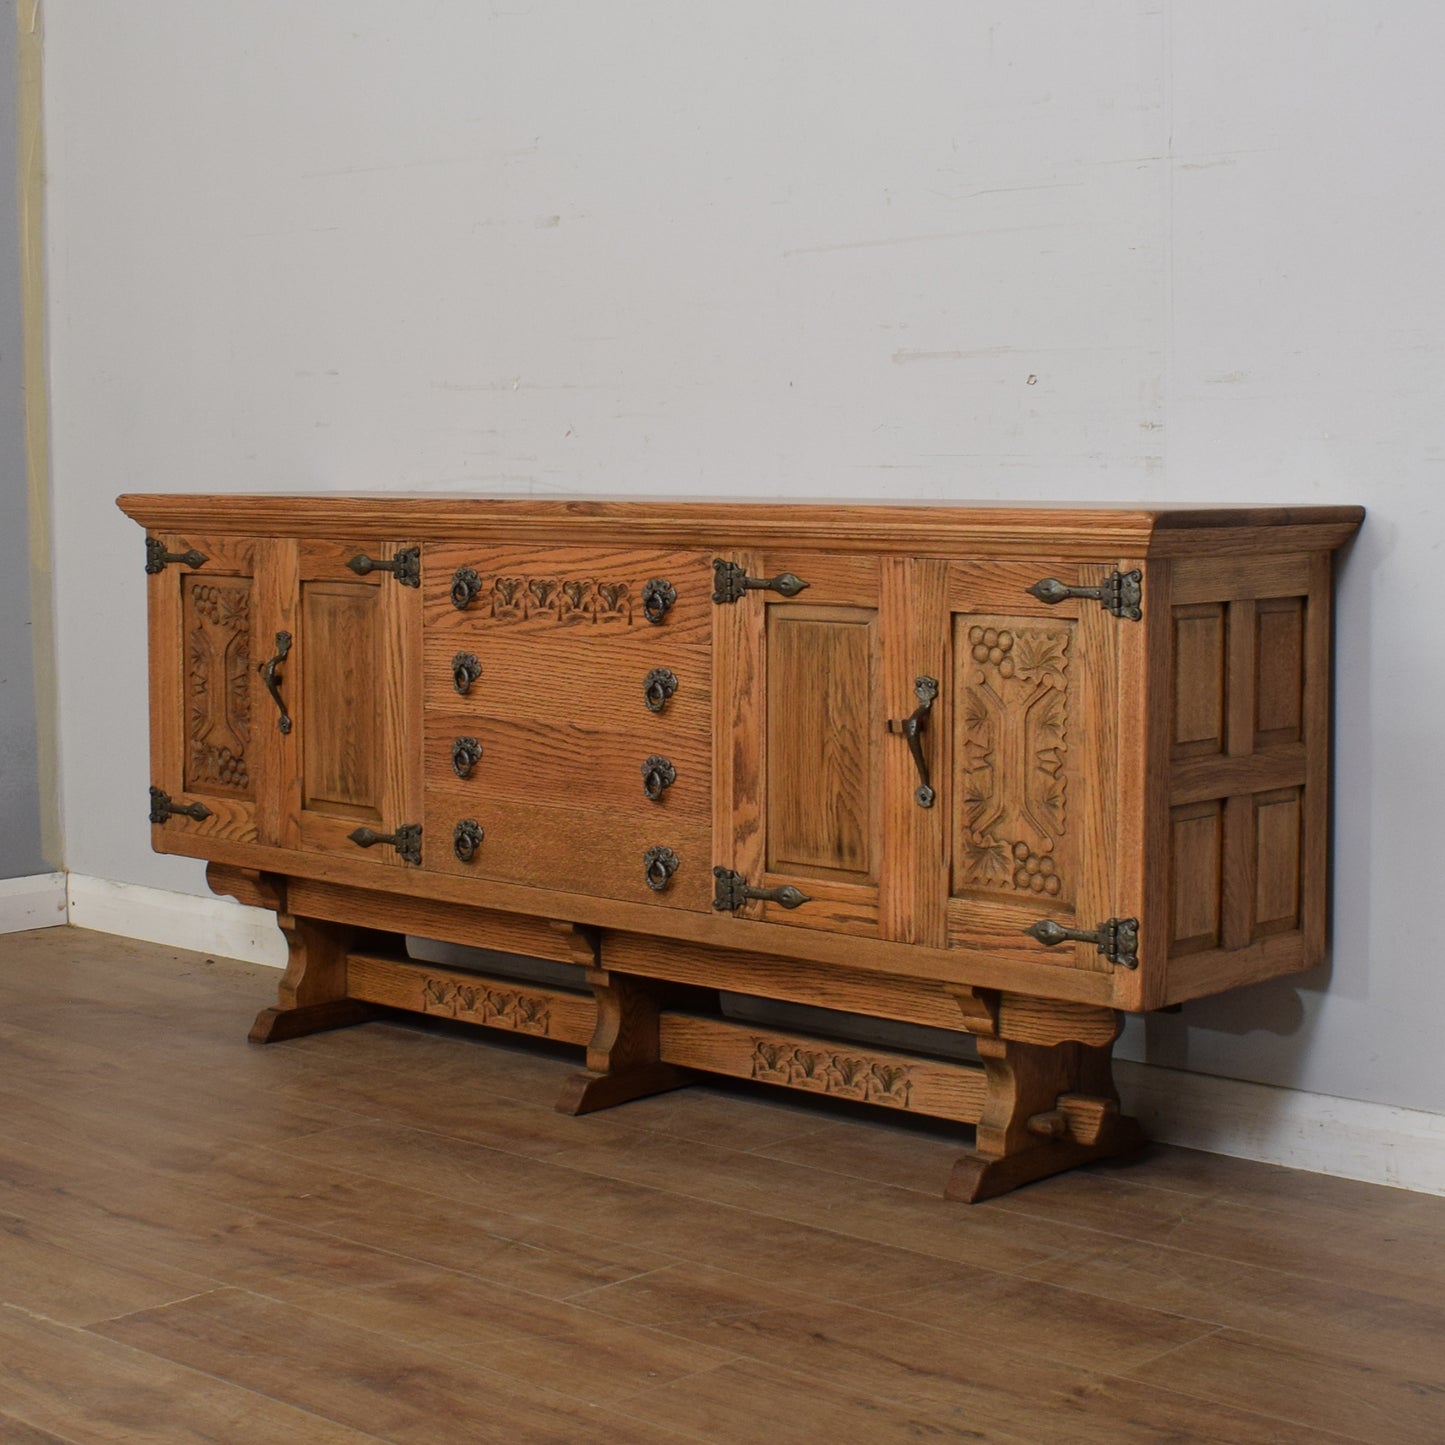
844 1071
542 592
940 530
796 1268
474 998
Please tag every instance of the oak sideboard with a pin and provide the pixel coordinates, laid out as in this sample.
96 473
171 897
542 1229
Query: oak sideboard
1006 771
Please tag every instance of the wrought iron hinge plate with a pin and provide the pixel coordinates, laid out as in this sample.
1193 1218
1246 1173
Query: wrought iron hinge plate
731 891
730 582
406 840
158 559
405 566
1120 593
162 808
1117 939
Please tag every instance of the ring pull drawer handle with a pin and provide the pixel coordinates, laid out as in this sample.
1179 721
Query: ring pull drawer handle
657 687
1116 938
465 671
406 840
466 587
658 597
659 865
467 837
466 754
732 892
925 689
658 774
273 683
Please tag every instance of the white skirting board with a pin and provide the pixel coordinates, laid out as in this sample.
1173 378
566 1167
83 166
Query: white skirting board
1378 1143
180 920
35 902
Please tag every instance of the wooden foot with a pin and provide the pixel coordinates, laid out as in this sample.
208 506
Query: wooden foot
622 1059
311 996
275 1024
586 1093
1047 1109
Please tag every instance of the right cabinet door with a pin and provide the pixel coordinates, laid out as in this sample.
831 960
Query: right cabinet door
1039 828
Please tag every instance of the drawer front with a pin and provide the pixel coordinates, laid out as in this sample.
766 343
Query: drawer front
566 763
545 592
571 848
571 679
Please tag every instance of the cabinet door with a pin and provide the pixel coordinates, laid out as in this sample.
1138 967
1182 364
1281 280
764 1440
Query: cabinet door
204 690
1038 828
809 782
351 691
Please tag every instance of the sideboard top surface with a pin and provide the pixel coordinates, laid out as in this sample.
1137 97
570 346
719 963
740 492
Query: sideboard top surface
939 528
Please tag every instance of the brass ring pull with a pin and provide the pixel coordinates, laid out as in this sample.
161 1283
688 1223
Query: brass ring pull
657 687
658 774
273 683
465 671
925 689
466 587
466 754
658 597
660 864
466 839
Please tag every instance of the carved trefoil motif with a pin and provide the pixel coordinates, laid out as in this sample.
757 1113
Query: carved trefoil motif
567 601
842 1073
1015 679
524 1013
217 631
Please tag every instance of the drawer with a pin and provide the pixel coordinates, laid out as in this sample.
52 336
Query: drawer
601 593
560 763
571 848
571 678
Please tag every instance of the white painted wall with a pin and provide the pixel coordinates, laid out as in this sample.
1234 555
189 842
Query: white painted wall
1009 248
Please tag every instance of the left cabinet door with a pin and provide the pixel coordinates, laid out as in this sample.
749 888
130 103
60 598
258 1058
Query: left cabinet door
206 697
349 775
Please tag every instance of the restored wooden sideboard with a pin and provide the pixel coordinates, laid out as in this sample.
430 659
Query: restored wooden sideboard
1000 770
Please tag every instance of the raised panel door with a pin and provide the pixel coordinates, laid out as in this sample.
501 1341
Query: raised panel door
205 692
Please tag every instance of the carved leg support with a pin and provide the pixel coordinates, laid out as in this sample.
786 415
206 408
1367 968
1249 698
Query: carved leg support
1048 1108
312 994
622 1058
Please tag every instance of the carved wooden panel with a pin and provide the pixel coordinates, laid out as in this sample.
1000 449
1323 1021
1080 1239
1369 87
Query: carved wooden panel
216 626
823 740
1015 765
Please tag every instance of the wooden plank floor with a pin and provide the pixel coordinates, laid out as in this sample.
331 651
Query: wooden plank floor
385 1233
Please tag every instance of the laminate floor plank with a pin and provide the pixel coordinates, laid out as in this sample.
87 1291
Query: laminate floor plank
363 1380
1311 1387
17 1432
1323 1314
86 1390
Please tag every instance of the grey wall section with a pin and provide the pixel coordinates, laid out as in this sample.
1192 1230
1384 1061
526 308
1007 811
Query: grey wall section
19 775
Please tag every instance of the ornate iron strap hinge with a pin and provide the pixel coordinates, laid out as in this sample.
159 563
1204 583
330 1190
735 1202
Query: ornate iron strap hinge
1116 938
158 559
162 808
406 840
405 566
730 582
1119 593
732 892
